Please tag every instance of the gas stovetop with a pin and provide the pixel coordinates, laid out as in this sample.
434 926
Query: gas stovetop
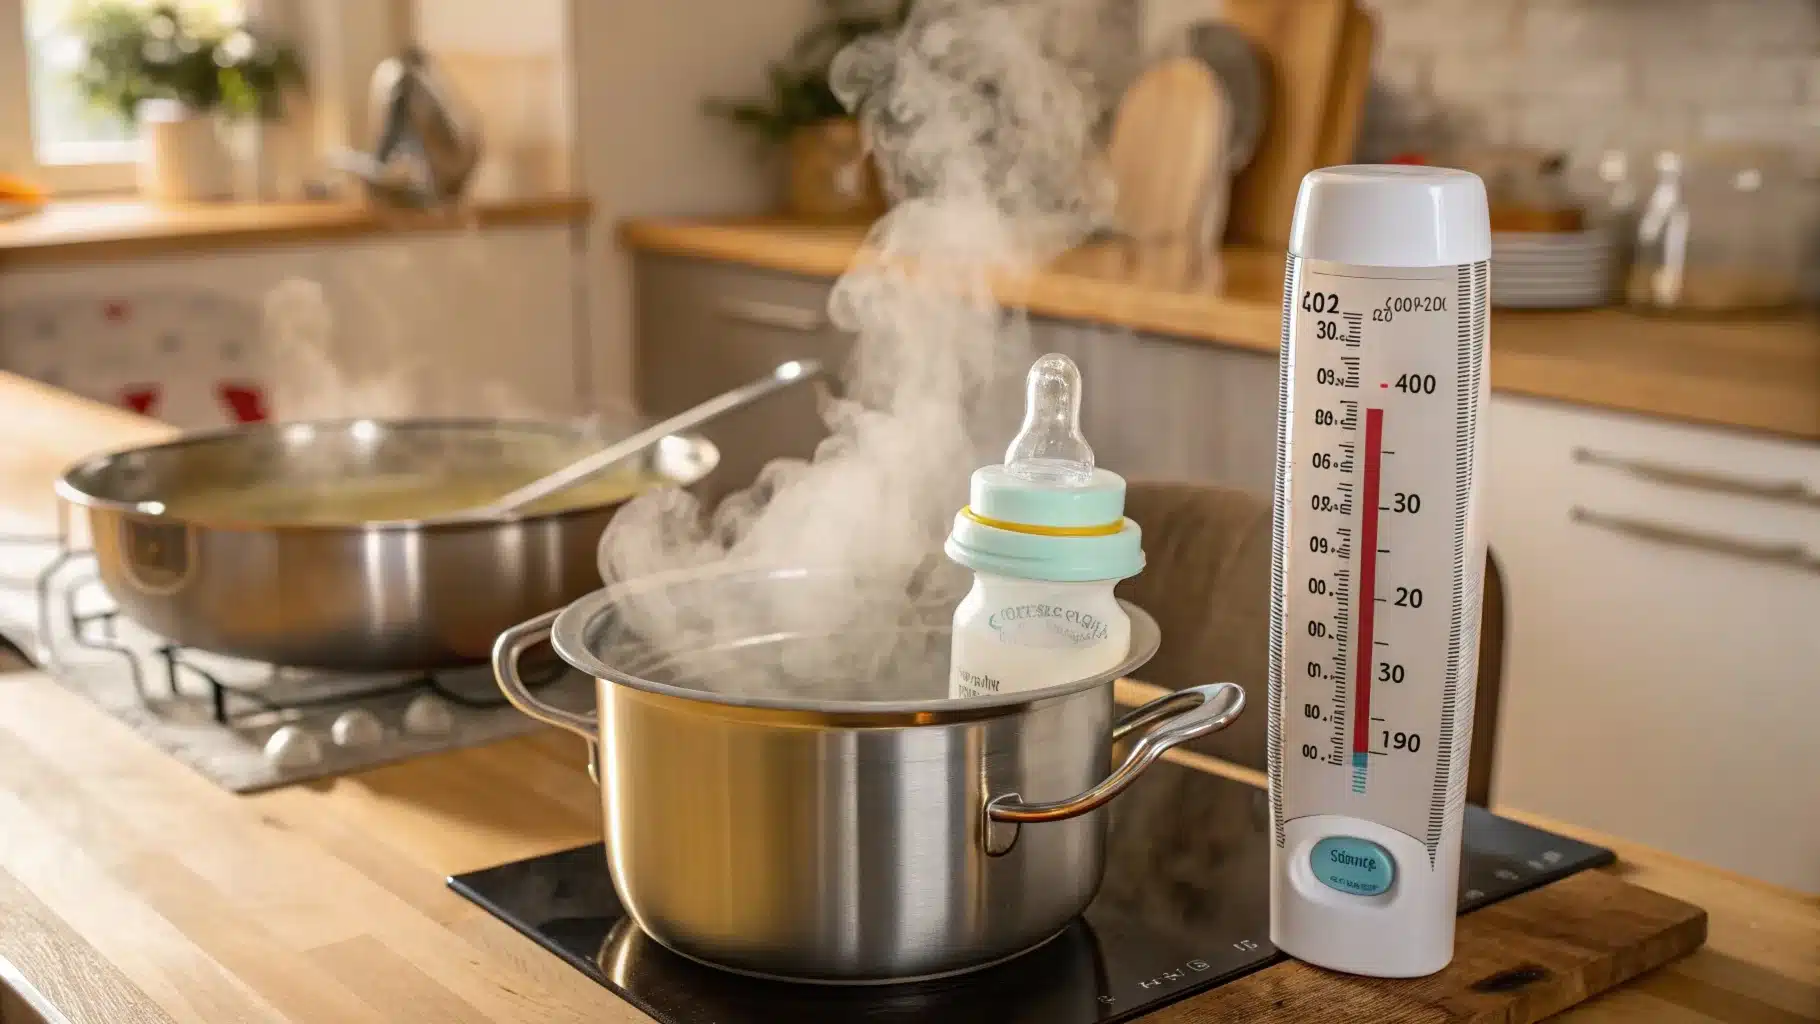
1184 907
245 725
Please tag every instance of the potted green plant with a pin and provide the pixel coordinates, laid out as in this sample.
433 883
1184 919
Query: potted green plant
830 175
177 74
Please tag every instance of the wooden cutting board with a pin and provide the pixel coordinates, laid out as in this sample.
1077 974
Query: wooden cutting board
1301 43
1351 83
1168 143
1515 962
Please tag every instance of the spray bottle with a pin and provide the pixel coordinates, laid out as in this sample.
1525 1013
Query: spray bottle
1047 539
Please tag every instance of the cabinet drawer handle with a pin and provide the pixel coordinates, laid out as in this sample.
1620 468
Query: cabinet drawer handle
1675 476
772 314
1793 556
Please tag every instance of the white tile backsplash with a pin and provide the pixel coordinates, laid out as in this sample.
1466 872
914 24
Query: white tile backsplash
1763 124
1589 75
1405 72
1725 79
1761 26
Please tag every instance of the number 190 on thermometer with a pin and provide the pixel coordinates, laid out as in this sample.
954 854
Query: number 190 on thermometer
1377 576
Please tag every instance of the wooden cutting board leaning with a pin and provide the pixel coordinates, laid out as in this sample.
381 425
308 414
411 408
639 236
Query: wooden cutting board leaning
1167 145
1302 43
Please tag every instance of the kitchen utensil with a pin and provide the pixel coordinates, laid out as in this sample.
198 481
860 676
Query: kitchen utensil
1727 229
581 469
1165 151
415 594
1351 82
428 140
1240 69
1377 580
825 836
1301 42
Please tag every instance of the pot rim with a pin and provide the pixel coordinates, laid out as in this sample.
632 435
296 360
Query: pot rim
569 638
69 489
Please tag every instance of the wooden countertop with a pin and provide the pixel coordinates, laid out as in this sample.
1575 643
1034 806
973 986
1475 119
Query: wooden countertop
95 230
133 891
1761 375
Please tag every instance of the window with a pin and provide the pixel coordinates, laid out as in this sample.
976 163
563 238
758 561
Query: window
49 131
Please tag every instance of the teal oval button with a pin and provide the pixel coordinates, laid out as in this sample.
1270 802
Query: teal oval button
1357 866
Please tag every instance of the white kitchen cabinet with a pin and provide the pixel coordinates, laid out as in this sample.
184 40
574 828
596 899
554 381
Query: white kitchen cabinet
1663 674
478 323
1163 408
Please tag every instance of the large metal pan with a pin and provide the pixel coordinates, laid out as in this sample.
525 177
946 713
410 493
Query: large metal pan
377 596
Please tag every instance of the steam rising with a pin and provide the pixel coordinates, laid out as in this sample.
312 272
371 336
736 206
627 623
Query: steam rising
982 133
380 336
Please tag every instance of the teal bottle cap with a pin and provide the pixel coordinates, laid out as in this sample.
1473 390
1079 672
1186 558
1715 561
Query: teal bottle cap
1000 495
1032 556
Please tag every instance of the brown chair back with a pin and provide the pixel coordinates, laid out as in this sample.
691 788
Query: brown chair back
1207 583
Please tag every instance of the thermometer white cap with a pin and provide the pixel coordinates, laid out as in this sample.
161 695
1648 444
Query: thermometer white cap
1391 215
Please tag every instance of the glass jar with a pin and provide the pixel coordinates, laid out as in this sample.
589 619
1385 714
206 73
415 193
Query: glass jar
1725 230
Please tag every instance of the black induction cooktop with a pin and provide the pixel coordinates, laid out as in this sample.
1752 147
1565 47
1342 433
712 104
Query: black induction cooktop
1184 907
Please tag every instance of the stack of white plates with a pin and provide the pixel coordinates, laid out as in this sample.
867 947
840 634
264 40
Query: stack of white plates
1568 270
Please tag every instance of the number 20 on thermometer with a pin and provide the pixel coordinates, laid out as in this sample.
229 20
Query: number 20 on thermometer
1378 565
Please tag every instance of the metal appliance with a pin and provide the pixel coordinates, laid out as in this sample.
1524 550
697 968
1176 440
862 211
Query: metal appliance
244 725
427 137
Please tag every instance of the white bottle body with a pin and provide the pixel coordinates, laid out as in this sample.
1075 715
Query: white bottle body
1012 635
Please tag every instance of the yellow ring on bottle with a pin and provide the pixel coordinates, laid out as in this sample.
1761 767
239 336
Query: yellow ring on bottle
1106 530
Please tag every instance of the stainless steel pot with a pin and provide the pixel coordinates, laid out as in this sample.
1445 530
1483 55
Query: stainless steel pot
412 594
836 839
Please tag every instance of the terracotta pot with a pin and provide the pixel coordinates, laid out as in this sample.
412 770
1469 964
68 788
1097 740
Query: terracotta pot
831 175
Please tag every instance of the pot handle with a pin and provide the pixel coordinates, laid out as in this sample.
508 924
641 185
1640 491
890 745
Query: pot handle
510 646
1187 714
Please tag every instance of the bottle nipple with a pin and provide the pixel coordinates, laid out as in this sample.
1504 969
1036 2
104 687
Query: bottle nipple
1049 448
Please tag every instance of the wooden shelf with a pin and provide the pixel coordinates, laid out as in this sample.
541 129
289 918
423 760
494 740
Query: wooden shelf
101 230
1755 374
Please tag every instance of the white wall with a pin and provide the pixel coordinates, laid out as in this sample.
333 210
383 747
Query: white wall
344 40
642 70
1585 76
492 26
510 60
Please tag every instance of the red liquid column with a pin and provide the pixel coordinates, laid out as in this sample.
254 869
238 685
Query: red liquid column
1366 598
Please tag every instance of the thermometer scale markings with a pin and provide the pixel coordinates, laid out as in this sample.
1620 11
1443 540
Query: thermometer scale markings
1371 453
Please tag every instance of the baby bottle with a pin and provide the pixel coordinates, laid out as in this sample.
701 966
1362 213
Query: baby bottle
1047 539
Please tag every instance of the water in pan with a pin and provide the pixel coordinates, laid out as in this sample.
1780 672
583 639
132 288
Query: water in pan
420 494
882 645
